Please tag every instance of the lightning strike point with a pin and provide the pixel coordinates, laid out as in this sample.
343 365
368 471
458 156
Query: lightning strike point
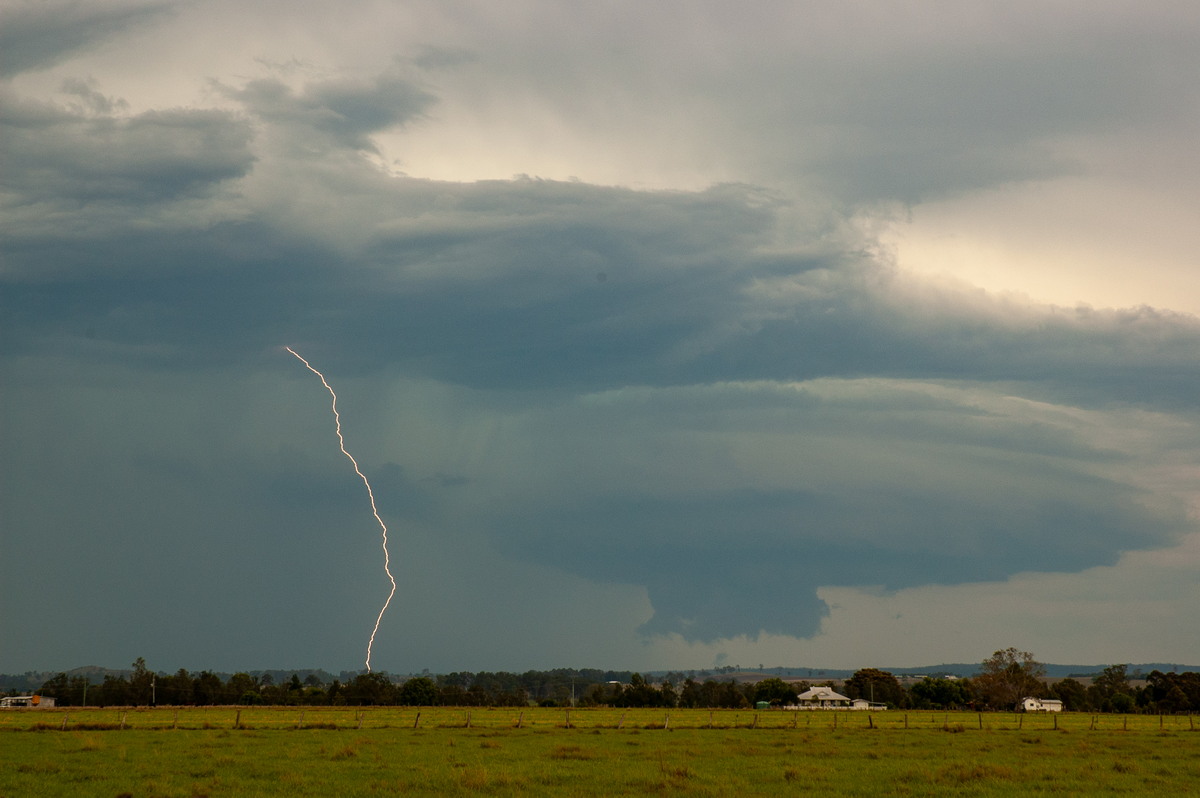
387 560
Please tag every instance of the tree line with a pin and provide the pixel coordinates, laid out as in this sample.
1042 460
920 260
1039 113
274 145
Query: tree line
1004 679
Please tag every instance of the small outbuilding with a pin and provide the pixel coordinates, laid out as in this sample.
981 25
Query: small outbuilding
31 701
864 704
1031 704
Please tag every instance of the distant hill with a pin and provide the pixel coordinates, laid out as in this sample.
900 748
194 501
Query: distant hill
960 669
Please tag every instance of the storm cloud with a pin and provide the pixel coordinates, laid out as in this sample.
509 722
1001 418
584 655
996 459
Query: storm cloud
605 419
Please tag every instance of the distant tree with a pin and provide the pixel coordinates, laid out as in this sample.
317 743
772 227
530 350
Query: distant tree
141 683
939 694
419 691
775 691
1008 676
689 694
113 691
1111 692
875 685
1112 680
1073 695
1173 692
670 697
244 688
207 688
59 688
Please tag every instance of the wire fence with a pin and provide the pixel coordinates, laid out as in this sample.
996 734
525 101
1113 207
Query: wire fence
545 718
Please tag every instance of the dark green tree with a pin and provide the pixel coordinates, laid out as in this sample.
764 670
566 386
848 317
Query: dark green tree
939 694
775 691
1073 695
875 685
419 691
1008 676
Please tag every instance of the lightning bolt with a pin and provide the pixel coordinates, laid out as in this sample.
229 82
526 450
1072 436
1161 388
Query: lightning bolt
387 560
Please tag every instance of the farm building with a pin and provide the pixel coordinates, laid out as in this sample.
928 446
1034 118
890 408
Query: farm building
821 698
862 703
36 701
1041 705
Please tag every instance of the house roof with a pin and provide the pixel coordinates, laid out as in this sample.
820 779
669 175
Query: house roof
821 694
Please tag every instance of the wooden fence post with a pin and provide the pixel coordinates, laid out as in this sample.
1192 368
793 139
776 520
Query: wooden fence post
237 721
64 723
417 720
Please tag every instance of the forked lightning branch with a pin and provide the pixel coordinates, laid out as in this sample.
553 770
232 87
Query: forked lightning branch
337 420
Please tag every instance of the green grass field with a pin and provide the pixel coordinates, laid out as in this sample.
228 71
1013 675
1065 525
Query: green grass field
439 751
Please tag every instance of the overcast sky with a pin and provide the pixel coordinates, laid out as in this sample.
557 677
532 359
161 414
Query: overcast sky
669 335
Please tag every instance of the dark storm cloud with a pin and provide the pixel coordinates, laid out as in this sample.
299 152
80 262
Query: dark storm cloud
919 492
347 112
69 157
535 284
642 345
35 35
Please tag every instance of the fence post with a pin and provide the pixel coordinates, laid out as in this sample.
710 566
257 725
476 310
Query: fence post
64 723
237 721
417 720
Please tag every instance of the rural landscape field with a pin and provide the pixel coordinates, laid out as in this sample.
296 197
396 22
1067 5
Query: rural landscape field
196 751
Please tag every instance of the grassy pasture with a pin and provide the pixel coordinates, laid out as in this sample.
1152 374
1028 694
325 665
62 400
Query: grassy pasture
387 751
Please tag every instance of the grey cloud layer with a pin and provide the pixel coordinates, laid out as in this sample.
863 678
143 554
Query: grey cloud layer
725 397
38 34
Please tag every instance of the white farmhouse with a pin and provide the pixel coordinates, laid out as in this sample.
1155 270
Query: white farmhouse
822 698
1041 705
